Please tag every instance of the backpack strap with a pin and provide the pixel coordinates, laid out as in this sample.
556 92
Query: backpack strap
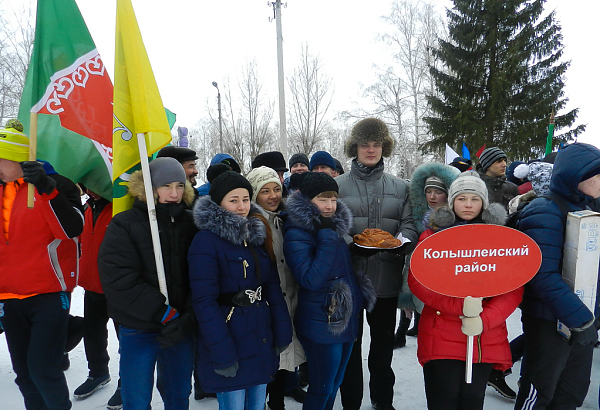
562 204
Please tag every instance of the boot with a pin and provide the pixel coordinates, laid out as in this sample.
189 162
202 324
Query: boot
413 331
403 325
498 382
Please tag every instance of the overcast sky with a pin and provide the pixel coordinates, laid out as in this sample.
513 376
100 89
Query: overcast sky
193 43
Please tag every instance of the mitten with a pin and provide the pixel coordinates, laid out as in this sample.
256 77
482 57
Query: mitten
471 326
230 371
360 251
584 337
279 349
472 306
33 173
170 314
324 223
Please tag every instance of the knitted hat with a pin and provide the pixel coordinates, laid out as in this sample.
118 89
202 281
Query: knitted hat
369 130
435 182
166 170
468 183
538 173
261 176
338 166
489 156
463 164
510 173
272 159
298 159
226 182
322 158
181 154
314 183
14 145
215 170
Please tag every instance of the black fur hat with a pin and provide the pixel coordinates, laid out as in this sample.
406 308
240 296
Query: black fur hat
369 130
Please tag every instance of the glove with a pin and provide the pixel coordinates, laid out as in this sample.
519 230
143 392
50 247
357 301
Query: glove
176 330
228 371
324 223
33 173
472 306
585 337
170 314
360 251
471 326
279 349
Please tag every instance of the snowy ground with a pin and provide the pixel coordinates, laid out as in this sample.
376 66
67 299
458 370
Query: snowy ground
409 393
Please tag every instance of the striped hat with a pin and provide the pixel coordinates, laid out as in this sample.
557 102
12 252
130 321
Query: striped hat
489 156
14 145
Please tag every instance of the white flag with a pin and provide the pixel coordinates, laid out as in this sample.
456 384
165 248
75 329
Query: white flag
450 154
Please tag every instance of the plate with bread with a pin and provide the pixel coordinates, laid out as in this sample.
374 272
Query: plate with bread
373 238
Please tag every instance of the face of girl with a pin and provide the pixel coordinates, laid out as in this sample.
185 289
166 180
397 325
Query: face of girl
237 201
435 197
467 206
170 193
269 196
327 206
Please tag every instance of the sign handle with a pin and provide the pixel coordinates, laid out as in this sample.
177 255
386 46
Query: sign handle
469 370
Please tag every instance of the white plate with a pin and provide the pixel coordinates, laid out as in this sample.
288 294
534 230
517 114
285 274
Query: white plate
377 247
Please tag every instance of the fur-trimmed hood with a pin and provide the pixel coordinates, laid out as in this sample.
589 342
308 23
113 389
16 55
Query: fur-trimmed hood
418 201
301 212
229 226
136 189
444 216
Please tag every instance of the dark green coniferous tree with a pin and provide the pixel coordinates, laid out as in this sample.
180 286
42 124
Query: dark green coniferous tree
502 78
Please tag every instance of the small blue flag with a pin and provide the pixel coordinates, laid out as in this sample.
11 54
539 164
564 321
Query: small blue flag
465 152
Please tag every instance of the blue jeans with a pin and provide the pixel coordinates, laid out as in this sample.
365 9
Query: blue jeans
140 352
326 367
252 398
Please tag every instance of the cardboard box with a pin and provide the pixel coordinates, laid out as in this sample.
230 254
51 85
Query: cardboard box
582 255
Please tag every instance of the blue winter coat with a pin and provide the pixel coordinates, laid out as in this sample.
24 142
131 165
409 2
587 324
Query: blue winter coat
321 263
221 261
547 295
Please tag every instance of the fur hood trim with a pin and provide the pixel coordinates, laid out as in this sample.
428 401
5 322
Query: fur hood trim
136 189
444 217
301 212
418 201
229 226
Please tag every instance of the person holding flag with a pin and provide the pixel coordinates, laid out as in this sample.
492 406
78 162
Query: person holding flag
38 269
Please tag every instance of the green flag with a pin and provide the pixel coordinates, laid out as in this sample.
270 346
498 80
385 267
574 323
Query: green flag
68 85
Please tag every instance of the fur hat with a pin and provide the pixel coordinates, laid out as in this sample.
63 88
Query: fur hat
538 173
261 176
489 156
181 154
272 159
369 130
312 184
166 170
226 182
322 158
435 182
468 182
14 145
298 159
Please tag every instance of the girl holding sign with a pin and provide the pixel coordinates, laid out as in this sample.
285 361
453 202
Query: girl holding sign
447 321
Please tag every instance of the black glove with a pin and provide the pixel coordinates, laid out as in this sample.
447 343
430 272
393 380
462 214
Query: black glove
33 173
360 251
230 371
175 330
324 223
587 336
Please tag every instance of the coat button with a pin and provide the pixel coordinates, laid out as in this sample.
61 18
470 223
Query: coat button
284 294
239 258
438 313
282 261
264 340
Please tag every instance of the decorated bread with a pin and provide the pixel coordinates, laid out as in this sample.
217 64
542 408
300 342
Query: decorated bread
376 238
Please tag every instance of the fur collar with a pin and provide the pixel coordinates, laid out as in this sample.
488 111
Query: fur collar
229 226
136 189
444 217
301 212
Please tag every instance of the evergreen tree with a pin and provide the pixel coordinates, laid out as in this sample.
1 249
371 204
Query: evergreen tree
502 79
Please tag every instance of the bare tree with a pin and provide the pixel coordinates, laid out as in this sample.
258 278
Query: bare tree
310 98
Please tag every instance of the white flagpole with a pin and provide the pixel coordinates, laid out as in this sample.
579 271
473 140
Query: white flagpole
160 268
469 371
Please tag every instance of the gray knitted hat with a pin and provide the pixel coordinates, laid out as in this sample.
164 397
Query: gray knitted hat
435 182
489 156
468 182
261 176
165 170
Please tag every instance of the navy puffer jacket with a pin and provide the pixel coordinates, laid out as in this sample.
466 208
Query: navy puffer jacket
547 295
221 261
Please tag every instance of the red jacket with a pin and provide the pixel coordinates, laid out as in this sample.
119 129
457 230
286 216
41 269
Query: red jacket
440 336
40 255
91 238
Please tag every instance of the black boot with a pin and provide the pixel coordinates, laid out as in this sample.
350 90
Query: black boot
498 382
400 336
413 331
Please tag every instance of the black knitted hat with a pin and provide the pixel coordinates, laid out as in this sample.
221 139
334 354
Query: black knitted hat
226 182
338 166
298 159
215 170
272 159
314 183
181 154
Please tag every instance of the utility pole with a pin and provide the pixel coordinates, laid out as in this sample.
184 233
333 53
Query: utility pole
281 79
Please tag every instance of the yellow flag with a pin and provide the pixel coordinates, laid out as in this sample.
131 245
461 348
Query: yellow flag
138 107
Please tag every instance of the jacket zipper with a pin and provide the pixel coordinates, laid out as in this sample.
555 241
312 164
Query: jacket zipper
245 265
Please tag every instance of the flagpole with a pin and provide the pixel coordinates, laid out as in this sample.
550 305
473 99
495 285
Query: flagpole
32 154
160 267
550 134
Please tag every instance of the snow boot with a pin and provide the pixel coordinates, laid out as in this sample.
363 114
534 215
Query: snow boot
413 331
90 386
498 381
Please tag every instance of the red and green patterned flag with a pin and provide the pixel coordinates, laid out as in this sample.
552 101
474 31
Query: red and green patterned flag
68 85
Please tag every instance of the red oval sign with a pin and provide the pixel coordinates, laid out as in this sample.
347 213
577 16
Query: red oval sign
475 260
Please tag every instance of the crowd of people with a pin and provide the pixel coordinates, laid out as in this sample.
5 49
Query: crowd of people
259 289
